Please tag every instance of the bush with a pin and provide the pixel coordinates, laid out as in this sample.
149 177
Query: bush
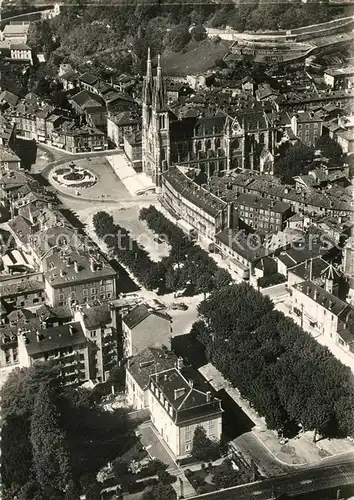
272 279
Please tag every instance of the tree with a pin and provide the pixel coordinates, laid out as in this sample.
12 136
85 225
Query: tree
103 224
203 448
73 491
16 451
160 492
225 476
50 457
198 33
120 469
329 148
296 161
179 37
222 278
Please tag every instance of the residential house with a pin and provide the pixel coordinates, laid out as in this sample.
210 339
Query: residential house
7 132
8 100
307 126
21 52
120 124
16 33
99 325
339 78
79 138
143 327
8 159
76 278
263 214
180 401
326 316
87 81
65 345
139 369
90 105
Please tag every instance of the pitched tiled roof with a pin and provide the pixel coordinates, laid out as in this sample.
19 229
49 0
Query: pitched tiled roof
89 78
87 99
136 316
9 98
187 393
151 360
54 338
97 316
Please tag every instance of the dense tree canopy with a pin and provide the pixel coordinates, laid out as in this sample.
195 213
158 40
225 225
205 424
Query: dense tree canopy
285 374
47 428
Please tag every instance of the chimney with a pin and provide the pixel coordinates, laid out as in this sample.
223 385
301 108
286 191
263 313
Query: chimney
38 337
61 272
191 383
208 396
315 295
76 266
179 363
92 264
230 208
330 305
71 330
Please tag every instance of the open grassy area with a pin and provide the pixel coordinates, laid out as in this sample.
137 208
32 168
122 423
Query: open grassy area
199 57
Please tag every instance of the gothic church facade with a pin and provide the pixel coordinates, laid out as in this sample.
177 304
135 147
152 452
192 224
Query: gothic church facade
211 142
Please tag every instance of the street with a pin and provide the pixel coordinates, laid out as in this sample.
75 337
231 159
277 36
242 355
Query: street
307 481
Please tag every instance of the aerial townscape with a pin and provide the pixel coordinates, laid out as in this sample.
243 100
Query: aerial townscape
176 250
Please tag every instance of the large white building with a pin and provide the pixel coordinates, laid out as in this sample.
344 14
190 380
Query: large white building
326 317
180 400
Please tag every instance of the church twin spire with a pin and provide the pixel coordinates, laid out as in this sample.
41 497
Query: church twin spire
154 89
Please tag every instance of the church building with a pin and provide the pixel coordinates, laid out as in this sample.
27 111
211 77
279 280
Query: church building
210 139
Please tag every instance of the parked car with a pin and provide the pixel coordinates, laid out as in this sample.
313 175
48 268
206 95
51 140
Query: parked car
179 305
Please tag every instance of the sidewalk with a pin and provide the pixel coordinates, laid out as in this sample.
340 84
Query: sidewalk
297 451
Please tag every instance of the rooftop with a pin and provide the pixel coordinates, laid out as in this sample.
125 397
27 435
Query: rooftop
139 314
194 193
50 339
262 203
151 360
97 316
66 268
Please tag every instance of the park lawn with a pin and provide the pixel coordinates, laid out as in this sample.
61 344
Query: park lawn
199 57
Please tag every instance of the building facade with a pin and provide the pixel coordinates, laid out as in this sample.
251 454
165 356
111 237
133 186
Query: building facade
209 141
177 408
143 327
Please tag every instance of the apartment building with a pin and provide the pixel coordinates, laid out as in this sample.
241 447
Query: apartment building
77 278
340 77
143 327
329 318
180 400
200 209
99 326
65 345
263 214
307 126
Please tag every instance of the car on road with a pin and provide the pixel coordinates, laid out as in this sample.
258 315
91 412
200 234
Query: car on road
179 305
